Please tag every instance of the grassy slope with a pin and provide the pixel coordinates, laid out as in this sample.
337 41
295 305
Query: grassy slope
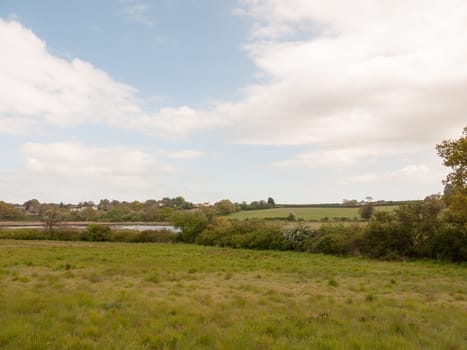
132 296
305 213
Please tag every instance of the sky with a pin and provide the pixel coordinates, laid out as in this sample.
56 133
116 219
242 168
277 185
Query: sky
304 101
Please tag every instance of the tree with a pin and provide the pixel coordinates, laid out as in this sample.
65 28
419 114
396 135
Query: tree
190 223
104 204
150 211
420 222
224 207
271 202
52 216
366 211
454 154
98 232
32 206
8 212
349 202
88 214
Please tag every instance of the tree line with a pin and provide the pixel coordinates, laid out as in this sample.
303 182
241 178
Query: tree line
434 228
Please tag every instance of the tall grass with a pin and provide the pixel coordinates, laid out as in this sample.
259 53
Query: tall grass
102 295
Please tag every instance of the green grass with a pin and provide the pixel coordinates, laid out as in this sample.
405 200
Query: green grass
304 213
79 295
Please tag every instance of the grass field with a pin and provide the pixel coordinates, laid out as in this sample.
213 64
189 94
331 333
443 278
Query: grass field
62 295
304 213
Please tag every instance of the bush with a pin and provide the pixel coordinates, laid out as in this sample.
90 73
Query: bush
296 236
330 244
122 235
24 233
384 238
160 236
252 234
366 211
190 223
67 234
98 232
451 244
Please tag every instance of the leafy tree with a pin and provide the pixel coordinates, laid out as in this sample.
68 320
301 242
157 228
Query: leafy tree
98 232
271 202
366 211
136 206
8 212
164 214
224 207
384 239
349 202
180 203
52 216
454 154
191 224
150 211
104 204
32 206
118 212
88 214
421 223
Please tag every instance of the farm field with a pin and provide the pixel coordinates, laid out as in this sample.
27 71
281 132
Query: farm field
79 295
304 213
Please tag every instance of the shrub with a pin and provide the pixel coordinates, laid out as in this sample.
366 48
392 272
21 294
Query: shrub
67 234
330 244
24 233
252 234
366 211
451 244
190 223
98 232
122 235
383 238
160 236
296 236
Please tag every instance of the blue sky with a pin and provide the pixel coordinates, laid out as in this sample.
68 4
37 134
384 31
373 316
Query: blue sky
303 101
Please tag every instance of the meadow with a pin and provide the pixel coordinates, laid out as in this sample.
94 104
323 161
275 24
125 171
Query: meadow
90 295
304 213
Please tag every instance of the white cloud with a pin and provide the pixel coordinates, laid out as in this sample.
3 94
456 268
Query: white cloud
121 165
336 157
409 172
38 89
183 154
389 76
352 75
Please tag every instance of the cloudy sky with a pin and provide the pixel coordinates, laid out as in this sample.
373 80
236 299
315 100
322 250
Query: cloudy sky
302 100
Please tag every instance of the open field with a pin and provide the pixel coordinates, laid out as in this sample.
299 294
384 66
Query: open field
78 295
304 213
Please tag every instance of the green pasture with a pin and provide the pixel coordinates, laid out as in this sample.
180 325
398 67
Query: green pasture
80 295
304 213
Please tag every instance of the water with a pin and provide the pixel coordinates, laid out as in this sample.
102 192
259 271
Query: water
146 227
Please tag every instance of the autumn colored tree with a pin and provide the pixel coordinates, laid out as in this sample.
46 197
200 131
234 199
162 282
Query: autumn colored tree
454 154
